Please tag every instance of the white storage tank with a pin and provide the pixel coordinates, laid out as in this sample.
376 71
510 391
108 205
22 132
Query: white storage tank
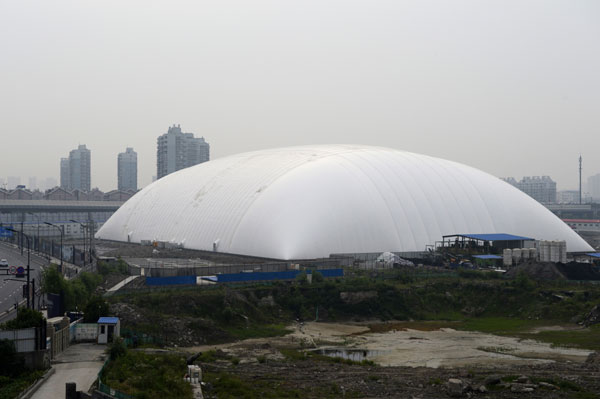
554 251
507 257
563 251
533 253
516 255
525 253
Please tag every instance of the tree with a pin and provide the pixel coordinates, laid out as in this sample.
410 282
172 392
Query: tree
96 307
52 280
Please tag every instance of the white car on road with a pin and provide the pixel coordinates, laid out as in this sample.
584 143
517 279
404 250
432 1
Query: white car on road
3 263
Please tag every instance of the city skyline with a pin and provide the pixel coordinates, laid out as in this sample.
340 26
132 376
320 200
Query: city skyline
10 182
519 98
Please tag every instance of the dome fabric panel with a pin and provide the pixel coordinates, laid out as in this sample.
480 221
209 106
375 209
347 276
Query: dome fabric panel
312 201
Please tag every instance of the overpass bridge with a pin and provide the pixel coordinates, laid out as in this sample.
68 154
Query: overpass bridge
575 211
30 216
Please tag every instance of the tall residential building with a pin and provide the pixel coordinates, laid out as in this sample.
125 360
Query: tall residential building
75 171
177 150
65 179
127 170
12 182
593 187
540 188
32 185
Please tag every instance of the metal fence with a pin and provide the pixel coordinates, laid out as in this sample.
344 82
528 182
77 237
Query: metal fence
102 387
24 339
192 267
52 247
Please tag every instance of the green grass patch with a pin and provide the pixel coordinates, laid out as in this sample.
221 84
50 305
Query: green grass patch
148 375
584 338
10 387
500 325
588 338
258 331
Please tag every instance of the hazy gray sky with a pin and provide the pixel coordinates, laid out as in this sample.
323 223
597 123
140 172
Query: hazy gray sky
510 87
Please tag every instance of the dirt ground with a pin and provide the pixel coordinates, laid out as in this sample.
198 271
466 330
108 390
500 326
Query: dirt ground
425 363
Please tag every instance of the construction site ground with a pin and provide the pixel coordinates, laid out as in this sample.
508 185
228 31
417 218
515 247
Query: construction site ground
403 362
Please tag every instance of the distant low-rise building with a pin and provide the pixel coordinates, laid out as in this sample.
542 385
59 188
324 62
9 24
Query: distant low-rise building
20 194
118 195
567 197
540 188
58 194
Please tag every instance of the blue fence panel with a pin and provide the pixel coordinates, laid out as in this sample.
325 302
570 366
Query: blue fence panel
257 276
175 280
266 276
332 272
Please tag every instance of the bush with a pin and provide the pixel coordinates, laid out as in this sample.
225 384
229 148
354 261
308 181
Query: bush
11 364
317 277
26 318
117 349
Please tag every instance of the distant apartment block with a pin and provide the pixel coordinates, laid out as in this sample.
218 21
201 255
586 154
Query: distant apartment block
177 150
65 178
75 171
540 188
12 182
127 170
593 187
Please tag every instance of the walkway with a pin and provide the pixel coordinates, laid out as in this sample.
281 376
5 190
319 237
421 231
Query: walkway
121 284
80 364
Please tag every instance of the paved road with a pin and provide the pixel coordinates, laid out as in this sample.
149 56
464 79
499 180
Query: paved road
79 363
12 291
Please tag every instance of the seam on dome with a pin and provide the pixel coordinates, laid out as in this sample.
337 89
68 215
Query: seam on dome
400 165
302 162
476 190
427 165
399 236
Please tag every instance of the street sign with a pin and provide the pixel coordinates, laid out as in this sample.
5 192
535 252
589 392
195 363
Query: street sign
5 233
12 269
20 271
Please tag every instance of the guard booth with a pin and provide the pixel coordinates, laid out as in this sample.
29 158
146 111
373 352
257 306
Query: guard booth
108 329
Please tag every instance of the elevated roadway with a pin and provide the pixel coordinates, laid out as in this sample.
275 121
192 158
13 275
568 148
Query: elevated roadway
34 206
11 291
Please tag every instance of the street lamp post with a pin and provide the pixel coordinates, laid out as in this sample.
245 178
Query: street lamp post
62 233
28 260
38 231
85 229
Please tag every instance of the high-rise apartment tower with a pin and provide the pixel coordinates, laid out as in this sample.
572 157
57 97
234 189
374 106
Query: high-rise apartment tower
65 179
127 170
177 150
75 171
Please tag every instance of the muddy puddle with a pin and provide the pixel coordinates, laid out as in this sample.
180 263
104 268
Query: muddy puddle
357 355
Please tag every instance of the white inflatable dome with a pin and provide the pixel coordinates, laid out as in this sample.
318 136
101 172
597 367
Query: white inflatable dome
312 201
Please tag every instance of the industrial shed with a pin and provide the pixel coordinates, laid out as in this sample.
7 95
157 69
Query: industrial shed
312 201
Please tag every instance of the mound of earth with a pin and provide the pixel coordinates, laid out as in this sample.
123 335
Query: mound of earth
579 271
537 271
